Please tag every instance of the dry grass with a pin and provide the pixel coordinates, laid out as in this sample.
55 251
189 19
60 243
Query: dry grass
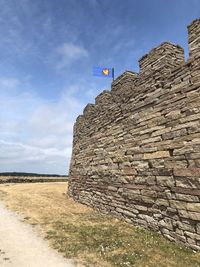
77 231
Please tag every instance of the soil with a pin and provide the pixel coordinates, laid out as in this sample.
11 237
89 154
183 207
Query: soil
21 246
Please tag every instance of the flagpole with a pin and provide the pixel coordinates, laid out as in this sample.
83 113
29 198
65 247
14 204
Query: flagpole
113 74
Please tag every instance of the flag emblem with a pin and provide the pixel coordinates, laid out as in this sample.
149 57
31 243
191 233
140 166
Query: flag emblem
103 72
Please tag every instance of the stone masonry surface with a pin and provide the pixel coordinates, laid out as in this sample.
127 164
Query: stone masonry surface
136 151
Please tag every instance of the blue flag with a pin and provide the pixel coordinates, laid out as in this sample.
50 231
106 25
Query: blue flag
103 72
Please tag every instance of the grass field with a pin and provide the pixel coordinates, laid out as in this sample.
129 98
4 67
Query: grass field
96 240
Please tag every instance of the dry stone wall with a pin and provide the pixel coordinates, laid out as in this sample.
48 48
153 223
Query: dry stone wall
31 179
136 151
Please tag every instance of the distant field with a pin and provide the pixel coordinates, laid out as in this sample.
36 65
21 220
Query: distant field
78 232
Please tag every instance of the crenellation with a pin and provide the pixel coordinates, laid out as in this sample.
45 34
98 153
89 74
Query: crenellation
89 109
136 150
122 87
162 59
127 76
104 98
194 38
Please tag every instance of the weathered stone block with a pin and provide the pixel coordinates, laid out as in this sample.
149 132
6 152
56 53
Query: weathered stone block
112 188
186 226
190 215
193 236
188 182
179 205
128 170
149 193
157 155
166 223
162 202
198 228
140 208
193 207
187 198
189 172
165 181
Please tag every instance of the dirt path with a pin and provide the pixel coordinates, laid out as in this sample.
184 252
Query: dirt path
20 246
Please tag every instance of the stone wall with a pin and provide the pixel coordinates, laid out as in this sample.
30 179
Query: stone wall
136 151
31 179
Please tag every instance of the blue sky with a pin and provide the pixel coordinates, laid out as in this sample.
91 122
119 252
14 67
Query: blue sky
47 51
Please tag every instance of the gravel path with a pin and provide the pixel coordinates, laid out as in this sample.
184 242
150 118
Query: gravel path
20 246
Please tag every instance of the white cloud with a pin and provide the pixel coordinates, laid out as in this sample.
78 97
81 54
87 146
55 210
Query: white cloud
9 83
21 157
69 53
12 150
36 135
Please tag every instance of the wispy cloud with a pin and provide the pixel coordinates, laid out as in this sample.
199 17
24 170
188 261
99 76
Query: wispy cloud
9 83
69 52
21 157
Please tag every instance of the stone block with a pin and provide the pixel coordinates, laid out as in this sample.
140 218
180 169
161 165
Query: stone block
166 223
198 228
187 198
188 182
185 226
193 207
165 181
189 172
179 205
149 193
157 155
140 208
128 170
195 216
162 202
112 188
148 200
194 236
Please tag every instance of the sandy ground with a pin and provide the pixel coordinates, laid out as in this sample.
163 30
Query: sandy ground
20 246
